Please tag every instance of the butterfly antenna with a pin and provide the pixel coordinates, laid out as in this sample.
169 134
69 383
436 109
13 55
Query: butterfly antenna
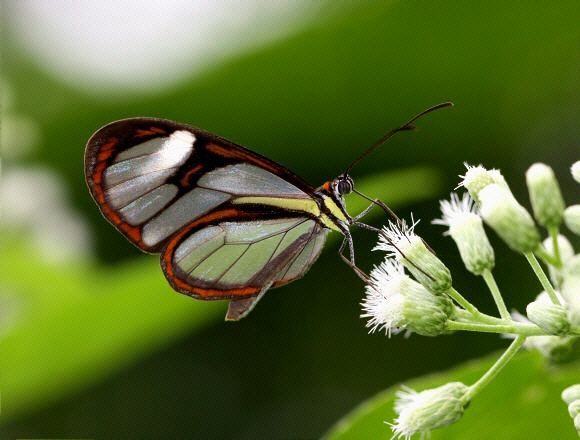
408 126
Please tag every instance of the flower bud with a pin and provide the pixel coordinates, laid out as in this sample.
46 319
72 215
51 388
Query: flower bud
400 241
545 195
477 177
566 253
557 349
572 218
396 302
571 393
466 229
430 409
571 285
508 218
574 408
549 316
575 169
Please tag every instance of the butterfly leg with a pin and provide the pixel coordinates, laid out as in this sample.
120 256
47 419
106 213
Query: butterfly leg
386 209
380 204
350 261
372 228
363 213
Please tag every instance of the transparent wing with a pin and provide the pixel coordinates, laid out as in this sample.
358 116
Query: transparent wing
301 263
239 259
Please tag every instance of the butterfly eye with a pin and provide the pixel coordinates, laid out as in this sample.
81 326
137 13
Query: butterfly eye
344 186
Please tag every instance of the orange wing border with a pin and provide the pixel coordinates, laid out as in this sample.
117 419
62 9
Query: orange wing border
212 218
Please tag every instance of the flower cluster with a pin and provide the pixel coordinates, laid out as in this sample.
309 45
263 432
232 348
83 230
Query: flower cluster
571 396
412 289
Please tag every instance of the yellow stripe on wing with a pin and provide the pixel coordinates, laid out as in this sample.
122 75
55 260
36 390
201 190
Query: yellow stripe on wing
308 206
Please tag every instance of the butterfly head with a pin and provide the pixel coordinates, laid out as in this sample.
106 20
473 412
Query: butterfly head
340 186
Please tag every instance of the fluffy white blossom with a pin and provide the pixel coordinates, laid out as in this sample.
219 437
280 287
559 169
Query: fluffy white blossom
478 177
421 412
400 241
394 302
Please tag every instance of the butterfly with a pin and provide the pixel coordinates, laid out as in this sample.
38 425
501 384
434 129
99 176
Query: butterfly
229 223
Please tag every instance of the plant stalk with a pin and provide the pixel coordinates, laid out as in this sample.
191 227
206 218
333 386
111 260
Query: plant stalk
514 328
495 368
542 277
494 289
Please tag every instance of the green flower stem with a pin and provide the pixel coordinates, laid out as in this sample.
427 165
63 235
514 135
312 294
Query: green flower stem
548 259
494 289
475 313
542 277
496 325
460 299
495 368
481 318
513 328
554 234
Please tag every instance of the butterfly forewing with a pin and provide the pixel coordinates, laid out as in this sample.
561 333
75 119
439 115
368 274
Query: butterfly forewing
151 177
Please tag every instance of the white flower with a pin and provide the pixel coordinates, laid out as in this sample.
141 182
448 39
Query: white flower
575 169
477 177
553 318
421 412
545 195
572 218
566 253
382 303
570 287
395 302
556 349
466 229
401 242
508 218
571 393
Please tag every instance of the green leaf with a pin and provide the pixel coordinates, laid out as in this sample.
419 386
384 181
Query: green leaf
523 402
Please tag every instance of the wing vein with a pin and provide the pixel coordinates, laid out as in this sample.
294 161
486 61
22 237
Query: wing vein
140 175
217 280
276 248
298 254
206 257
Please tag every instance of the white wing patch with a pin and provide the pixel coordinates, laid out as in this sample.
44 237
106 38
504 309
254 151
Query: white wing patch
135 183
141 171
248 180
155 155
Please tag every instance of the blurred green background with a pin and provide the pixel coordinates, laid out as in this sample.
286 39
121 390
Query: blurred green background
94 342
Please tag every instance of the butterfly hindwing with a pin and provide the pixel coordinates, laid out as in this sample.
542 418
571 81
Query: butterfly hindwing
152 177
233 255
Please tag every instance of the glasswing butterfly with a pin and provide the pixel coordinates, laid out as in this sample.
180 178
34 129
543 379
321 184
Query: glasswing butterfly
229 223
